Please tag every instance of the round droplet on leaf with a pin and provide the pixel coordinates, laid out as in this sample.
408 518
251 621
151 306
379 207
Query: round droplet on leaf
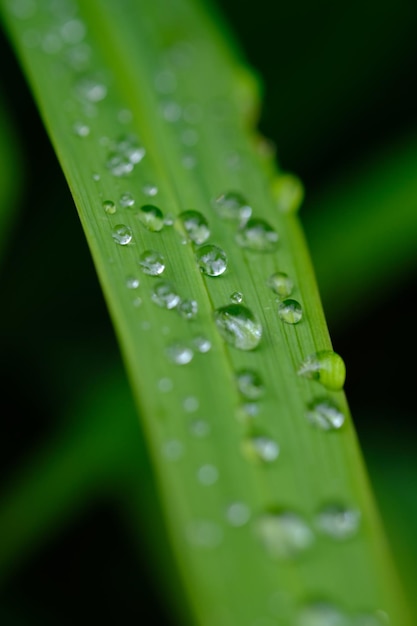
151 217
281 284
238 326
326 367
258 236
284 534
325 415
165 296
232 206
288 192
152 263
260 449
196 226
322 614
212 260
122 234
290 311
250 384
337 521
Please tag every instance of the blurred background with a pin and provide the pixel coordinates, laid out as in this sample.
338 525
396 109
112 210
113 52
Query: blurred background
340 103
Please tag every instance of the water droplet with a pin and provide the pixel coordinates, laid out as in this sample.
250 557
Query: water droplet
281 284
51 43
238 326
151 217
109 207
129 147
250 384
22 9
337 521
379 618
290 311
196 226
119 165
165 385
165 82
321 614
126 200
326 367
236 297
199 428
91 89
249 409
96 177
125 116
188 309
325 415
180 353
165 296
137 302
261 449
257 235
191 404
204 534
207 474
150 190
212 260
152 263
73 31
288 192
189 137
80 129
132 282
237 514
189 161
192 113
173 450
284 534
169 220
233 206
202 344
171 111
122 234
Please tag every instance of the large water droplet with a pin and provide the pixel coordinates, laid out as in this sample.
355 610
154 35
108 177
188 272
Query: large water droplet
238 326
165 296
109 207
337 521
188 309
212 260
122 234
281 284
250 384
260 449
179 353
237 514
285 534
196 226
257 235
151 217
326 367
126 200
290 311
325 415
232 206
288 192
322 614
152 263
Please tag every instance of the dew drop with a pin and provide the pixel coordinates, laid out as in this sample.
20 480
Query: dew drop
379 618
326 367
250 384
126 200
188 309
189 161
202 344
199 428
91 89
129 147
249 409
189 137
137 302
173 450
96 177
132 282
212 260
191 404
152 263
322 614
165 82
281 284
125 116
151 217
81 129
337 521
122 234
238 326
207 475
73 31
150 190
325 415
165 296
196 226
171 111
119 165
260 449
290 311
285 535
237 514
257 235
236 297
169 220
109 207
288 192
165 385
232 206
179 353
204 534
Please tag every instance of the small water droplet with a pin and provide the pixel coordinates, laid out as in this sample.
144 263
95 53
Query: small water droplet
202 344
257 235
122 234
129 147
171 111
165 82
51 43
137 302
281 284
109 207
207 474
189 161
81 129
180 354
125 116
173 450
22 9
237 514
165 296
250 384
238 326
151 217
284 534
326 367
150 190
189 137
204 534
91 89
188 309
196 226
325 415
146 325
212 260
119 165
73 31
233 206
126 200
337 521
152 263
290 311
379 618
191 404
249 409
96 177
199 428
192 113
288 192
260 449
165 385
132 282
321 614
236 297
